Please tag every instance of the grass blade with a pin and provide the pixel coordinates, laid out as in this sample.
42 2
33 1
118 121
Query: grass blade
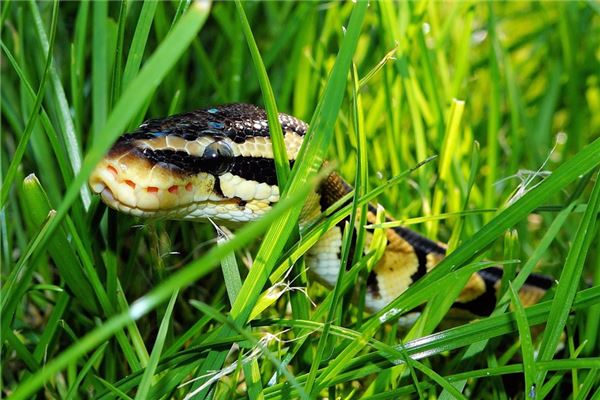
16 159
282 165
526 343
570 278
144 387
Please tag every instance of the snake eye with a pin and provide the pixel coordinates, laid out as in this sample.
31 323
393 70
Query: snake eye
217 157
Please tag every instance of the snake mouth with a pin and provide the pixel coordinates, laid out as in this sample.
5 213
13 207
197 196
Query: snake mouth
179 212
131 186
113 202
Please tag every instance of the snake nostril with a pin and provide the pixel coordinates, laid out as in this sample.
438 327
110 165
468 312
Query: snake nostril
152 189
189 187
173 189
112 170
131 184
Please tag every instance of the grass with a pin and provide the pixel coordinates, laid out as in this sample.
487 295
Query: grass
507 95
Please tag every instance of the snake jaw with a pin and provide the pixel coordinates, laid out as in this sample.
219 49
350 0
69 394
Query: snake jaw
129 184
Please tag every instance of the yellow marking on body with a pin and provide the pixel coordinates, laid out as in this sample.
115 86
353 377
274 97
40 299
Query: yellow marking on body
394 271
433 259
474 288
531 295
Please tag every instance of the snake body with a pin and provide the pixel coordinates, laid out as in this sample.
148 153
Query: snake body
218 163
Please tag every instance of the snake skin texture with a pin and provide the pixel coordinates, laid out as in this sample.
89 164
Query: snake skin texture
218 163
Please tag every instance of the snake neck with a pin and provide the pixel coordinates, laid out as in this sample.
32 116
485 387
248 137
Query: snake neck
408 256
329 191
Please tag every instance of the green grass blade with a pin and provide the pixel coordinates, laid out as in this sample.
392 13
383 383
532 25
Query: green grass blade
519 281
100 82
114 390
229 266
282 165
447 154
67 128
159 343
138 43
309 159
526 343
50 333
94 358
587 159
16 159
78 48
260 345
24 355
18 280
570 277
458 337
34 199
531 94
252 376
51 133
493 119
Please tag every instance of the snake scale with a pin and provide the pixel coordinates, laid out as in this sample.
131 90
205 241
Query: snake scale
218 163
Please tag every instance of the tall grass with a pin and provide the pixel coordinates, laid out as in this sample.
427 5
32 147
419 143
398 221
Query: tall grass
507 95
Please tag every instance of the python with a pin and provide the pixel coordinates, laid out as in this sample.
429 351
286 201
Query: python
218 163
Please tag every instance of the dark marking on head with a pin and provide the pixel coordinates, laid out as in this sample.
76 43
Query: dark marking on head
250 168
235 121
217 187
122 146
256 169
216 125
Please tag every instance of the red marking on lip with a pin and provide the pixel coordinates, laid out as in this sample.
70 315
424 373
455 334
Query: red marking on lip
152 189
131 184
189 187
112 170
173 189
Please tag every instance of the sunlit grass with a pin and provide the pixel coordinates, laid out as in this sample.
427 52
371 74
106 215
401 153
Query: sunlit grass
507 95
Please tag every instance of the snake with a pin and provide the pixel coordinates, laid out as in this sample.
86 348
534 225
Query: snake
218 164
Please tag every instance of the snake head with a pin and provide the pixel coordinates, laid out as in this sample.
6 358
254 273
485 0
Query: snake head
214 163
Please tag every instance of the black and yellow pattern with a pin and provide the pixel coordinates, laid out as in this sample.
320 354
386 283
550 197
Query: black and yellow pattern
218 163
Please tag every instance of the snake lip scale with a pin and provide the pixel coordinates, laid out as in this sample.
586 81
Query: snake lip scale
218 163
